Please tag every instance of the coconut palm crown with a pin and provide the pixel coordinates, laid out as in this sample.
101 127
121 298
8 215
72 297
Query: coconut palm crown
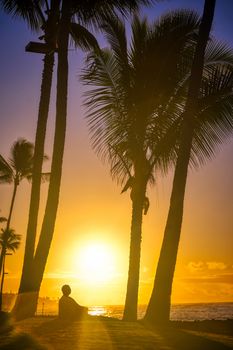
20 162
9 239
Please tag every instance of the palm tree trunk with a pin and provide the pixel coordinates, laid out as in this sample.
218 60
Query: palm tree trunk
16 182
37 170
2 279
48 224
158 310
131 301
159 305
58 149
1 260
26 283
47 75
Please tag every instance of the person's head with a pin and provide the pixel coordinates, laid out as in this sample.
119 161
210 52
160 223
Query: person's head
66 290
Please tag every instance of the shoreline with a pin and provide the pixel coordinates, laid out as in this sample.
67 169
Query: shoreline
103 333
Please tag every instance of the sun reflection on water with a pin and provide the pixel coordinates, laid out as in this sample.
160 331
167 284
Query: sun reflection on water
98 310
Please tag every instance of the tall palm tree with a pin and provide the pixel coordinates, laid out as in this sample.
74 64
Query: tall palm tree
39 16
9 241
206 121
87 13
131 111
82 40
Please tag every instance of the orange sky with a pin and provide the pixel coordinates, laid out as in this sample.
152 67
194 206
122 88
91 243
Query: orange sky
92 210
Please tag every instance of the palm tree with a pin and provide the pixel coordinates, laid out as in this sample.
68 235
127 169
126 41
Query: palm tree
84 41
35 14
206 122
39 16
131 112
9 241
87 13
19 167
15 170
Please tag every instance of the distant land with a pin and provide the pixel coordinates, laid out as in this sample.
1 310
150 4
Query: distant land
46 305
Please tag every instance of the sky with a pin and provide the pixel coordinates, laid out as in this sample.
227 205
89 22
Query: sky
91 240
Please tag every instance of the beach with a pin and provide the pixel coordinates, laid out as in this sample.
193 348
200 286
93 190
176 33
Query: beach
97 332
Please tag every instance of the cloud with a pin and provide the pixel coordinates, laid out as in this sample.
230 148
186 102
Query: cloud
59 275
204 288
208 272
221 278
198 266
214 265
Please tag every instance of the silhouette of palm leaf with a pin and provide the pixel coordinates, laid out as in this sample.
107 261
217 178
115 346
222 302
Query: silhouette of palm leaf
29 10
3 219
9 239
82 38
93 12
130 104
21 158
6 172
214 123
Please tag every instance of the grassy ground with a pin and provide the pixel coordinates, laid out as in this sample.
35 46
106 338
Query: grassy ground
110 334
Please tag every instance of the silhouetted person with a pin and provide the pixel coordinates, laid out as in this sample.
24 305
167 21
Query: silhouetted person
69 309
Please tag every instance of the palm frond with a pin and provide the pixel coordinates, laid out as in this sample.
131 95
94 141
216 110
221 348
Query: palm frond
3 219
45 177
120 162
94 12
171 42
130 98
9 239
82 38
28 10
214 121
103 102
6 172
115 33
22 157
129 184
217 53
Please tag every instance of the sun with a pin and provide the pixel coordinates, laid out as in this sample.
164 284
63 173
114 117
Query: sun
96 262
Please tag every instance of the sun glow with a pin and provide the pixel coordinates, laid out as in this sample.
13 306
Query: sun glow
95 263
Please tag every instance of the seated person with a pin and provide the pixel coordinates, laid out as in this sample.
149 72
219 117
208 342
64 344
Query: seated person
69 310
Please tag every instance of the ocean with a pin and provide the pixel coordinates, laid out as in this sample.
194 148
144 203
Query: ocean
179 312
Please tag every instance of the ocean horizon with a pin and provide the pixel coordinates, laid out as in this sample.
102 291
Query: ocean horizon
179 312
